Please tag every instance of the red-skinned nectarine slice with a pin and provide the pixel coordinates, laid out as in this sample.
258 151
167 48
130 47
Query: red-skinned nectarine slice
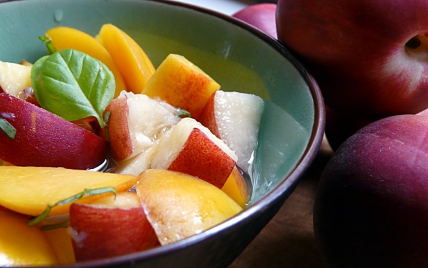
193 149
45 139
110 227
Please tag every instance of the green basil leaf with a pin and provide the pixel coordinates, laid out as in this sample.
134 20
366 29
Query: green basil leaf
73 85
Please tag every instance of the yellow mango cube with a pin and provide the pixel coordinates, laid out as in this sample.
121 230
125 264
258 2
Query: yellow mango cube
182 84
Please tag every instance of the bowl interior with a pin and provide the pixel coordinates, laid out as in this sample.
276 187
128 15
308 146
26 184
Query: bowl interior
236 56
228 53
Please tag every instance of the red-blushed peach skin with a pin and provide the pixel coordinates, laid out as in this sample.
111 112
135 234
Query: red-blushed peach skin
44 139
371 208
118 130
182 84
202 158
261 16
357 52
207 116
108 232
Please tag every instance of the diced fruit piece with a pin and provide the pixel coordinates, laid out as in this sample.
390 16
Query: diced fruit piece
110 227
191 148
42 186
136 164
14 77
60 242
237 187
182 84
22 245
44 139
69 38
131 60
179 205
235 118
136 122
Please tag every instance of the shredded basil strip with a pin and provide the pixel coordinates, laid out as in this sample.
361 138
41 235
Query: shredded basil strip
55 226
182 113
86 192
48 42
7 128
73 85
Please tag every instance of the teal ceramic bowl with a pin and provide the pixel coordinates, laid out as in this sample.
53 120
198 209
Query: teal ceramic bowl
237 56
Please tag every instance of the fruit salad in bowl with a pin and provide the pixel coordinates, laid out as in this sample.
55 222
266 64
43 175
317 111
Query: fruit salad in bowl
132 139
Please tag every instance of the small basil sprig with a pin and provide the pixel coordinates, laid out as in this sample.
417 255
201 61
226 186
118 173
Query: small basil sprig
49 46
86 192
182 113
7 128
73 85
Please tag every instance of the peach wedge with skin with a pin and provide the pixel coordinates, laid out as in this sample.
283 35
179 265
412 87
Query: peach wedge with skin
135 123
131 60
235 118
63 37
29 190
179 205
44 139
182 84
110 227
191 148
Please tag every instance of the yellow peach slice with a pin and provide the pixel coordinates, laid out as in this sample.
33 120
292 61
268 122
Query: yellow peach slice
69 38
131 60
179 205
60 242
182 84
236 187
28 190
22 245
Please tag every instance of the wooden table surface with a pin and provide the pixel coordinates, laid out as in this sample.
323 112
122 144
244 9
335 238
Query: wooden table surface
288 240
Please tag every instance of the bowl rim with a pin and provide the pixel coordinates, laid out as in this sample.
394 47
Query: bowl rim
280 192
